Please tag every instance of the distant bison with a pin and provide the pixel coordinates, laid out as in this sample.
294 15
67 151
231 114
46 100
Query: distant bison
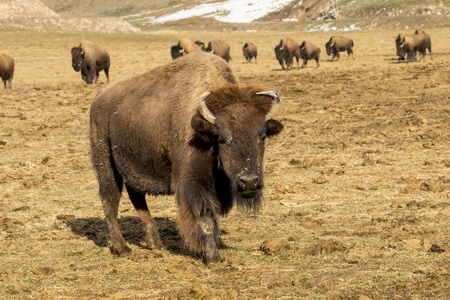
250 50
187 128
6 70
417 42
289 49
219 48
401 53
90 59
185 46
338 44
309 51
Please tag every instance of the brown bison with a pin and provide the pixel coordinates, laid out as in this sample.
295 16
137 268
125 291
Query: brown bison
185 46
417 42
6 70
338 44
219 48
309 51
90 59
250 50
187 129
289 49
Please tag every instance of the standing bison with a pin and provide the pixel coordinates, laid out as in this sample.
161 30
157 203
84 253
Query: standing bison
6 70
187 128
185 46
219 48
250 50
338 44
309 51
289 49
417 42
90 59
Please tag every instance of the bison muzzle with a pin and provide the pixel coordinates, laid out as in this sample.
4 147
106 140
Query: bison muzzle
187 129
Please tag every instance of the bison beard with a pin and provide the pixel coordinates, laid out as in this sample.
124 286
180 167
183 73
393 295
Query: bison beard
207 149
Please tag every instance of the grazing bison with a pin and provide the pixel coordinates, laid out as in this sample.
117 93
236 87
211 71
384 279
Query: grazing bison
309 51
187 128
417 42
90 59
184 46
400 50
6 70
219 48
338 44
250 50
289 49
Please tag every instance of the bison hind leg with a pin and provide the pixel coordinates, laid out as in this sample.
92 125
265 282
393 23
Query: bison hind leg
148 223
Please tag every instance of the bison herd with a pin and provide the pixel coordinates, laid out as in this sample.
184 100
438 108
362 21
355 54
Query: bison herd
189 129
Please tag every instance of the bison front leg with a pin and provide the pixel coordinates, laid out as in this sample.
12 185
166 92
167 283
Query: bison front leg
305 61
197 220
148 223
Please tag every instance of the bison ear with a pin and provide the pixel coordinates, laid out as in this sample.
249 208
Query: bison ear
204 133
273 127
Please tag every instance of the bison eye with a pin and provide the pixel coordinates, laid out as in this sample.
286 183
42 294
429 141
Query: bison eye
224 140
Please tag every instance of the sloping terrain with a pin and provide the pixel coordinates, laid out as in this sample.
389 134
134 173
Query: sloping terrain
357 185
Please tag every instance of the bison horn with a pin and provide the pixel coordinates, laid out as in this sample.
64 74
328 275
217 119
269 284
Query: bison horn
204 110
331 45
181 50
212 51
275 103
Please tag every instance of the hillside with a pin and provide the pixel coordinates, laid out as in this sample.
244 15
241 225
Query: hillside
305 15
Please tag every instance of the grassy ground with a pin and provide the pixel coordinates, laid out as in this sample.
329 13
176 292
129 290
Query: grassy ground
357 186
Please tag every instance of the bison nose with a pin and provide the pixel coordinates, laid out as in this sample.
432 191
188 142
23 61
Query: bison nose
249 181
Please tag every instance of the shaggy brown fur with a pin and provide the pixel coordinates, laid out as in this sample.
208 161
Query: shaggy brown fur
6 70
219 48
90 59
289 49
147 132
309 51
338 44
250 50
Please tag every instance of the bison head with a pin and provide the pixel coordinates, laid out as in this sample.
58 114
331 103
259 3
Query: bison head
279 55
234 124
77 58
177 51
329 47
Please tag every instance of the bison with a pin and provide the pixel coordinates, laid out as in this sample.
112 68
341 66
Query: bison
417 42
184 46
188 129
219 48
6 70
400 50
289 49
338 44
90 59
250 50
309 51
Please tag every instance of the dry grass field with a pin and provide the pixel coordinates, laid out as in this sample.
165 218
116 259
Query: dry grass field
357 196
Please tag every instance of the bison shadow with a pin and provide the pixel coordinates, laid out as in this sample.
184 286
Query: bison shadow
96 230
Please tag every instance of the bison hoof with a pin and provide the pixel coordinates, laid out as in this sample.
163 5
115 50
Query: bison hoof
120 250
154 243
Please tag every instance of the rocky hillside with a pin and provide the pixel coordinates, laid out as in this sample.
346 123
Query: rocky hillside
311 15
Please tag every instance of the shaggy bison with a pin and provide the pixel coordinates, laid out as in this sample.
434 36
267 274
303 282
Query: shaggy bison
6 70
309 51
417 42
187 128
185 46
338 44
90 59
219 48
289 49
250 50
